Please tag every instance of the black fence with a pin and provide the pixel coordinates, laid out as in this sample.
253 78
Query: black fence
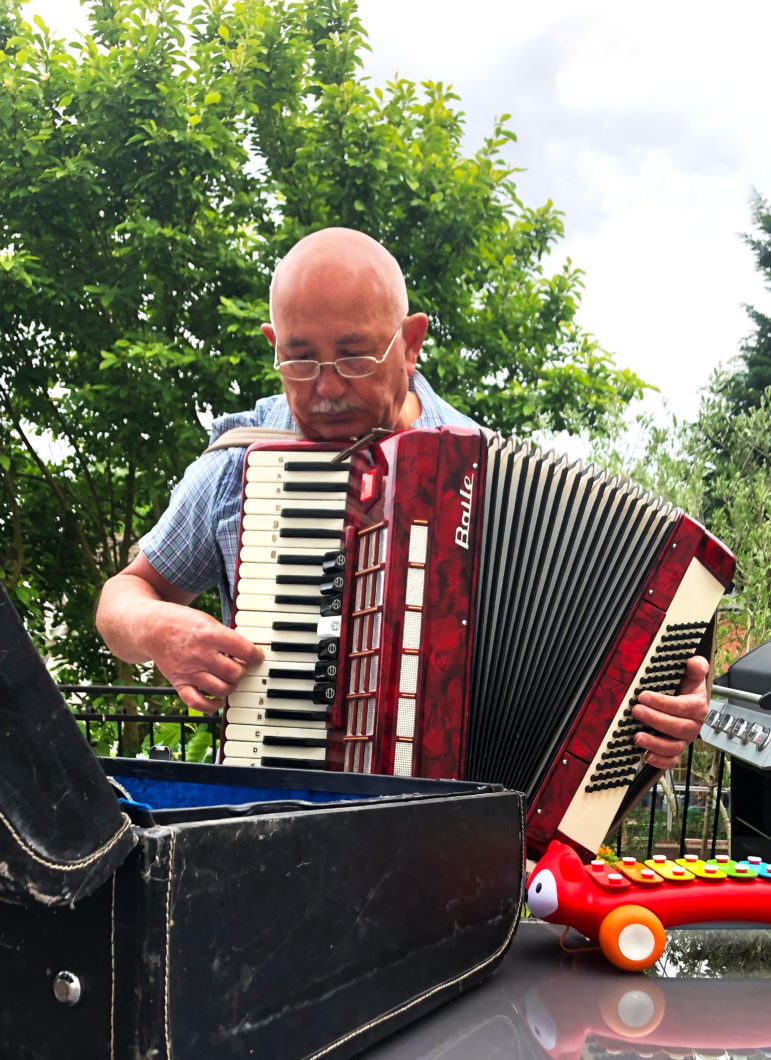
127 720
681 814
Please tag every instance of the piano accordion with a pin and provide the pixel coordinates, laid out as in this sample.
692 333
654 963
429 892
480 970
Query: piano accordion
446 603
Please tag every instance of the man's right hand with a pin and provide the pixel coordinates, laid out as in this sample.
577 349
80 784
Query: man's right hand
203 659
142 617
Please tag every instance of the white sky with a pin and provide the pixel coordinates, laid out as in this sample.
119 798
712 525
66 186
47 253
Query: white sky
647 126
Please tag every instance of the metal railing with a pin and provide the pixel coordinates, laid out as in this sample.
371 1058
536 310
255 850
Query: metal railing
94 716
132 731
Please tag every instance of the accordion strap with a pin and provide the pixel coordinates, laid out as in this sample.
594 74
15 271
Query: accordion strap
242 437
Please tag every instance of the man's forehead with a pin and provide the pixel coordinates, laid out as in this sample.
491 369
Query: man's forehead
296 337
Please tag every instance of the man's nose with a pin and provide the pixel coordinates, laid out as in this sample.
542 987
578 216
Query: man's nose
329 382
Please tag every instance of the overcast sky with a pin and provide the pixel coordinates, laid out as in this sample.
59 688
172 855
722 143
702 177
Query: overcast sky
647 126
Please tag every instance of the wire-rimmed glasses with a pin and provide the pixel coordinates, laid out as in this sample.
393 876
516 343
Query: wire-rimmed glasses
356 367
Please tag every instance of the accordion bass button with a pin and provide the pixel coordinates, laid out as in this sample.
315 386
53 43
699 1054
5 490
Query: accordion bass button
323 693
331 605
329 648
333 562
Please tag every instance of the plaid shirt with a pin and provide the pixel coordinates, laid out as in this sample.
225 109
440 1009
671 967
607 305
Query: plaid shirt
194 545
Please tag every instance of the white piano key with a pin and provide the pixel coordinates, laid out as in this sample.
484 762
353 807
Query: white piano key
270 552
245 716
243 749
258 732
271 570
323 482
261 683
272 507
250 589
260 701
246 603
276 523
265 637
275 490
277 457
273 539
263 618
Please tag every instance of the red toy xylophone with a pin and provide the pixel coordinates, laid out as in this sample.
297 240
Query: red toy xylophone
627 905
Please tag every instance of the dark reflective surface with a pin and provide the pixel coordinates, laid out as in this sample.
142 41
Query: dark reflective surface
709 996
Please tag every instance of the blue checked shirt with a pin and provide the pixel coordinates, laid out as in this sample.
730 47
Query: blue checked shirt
194 544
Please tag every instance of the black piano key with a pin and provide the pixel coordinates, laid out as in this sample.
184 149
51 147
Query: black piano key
278 762
312 513
298 579
325 671
289 693
297 559
288 598
322 533
314 487
331 605
321 467
301 675
290 645
285 626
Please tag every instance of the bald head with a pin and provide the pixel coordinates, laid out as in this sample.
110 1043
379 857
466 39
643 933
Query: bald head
338 259
339 296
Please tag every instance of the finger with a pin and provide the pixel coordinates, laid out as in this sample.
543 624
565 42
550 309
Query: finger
665 746
220 674
693 705
237 647
658 761
198 700
678 725
696 670
211 685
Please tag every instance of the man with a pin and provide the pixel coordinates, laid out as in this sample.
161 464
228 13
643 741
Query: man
347 349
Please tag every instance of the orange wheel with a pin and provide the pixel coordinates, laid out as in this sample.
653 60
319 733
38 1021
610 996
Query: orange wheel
632 937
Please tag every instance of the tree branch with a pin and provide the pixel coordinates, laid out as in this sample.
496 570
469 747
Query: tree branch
55 487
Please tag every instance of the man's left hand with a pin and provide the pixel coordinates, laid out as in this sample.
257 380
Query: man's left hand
677 720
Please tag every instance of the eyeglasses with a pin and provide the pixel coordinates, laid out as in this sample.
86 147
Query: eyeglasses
348 367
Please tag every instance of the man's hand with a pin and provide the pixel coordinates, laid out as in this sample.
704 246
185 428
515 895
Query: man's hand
203 659
676 719
143 616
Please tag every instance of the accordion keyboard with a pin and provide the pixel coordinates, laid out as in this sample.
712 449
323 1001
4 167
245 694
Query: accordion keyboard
288 601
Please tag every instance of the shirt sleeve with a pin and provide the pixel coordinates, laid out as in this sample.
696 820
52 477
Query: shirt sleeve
184 545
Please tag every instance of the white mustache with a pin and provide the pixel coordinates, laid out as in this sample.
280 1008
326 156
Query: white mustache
333 407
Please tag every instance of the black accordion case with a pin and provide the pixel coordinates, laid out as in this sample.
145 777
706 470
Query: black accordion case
162 910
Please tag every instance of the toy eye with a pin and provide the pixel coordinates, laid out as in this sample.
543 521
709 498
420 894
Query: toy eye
542 894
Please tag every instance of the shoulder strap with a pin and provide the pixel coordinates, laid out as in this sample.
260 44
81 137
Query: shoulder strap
242 437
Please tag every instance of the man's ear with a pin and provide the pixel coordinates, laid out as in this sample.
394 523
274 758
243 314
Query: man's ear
414 330
269 332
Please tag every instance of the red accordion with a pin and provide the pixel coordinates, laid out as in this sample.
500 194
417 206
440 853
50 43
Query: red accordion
445 603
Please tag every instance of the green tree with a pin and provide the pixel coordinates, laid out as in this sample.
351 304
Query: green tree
746 386
151 175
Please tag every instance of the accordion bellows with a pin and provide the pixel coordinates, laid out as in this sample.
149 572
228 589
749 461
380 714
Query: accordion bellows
466 606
